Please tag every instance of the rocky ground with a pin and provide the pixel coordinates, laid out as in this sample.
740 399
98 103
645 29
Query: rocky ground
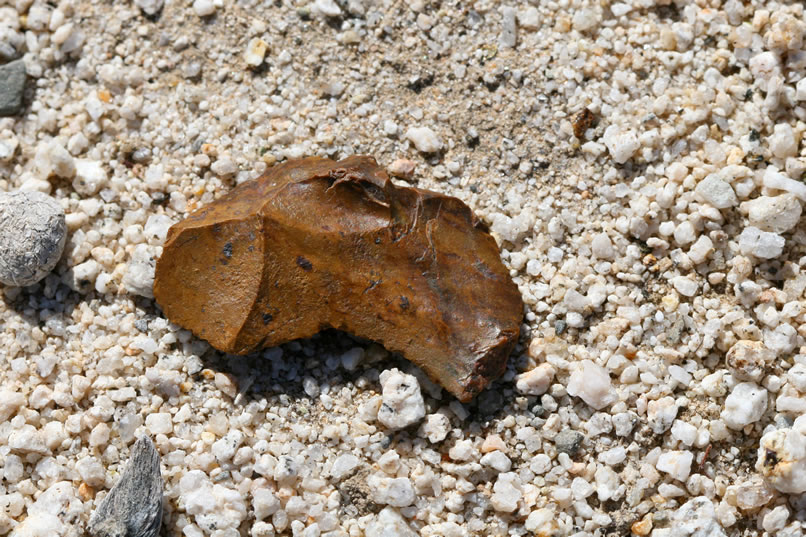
640 164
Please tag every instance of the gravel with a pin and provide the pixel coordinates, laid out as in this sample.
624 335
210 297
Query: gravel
640 165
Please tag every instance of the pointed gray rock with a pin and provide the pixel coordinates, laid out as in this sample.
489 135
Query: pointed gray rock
12 87
133 508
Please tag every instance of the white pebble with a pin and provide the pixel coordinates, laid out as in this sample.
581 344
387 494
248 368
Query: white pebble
778 214
685 286
761 244
783 142
344 465
717 192
396 492
782 458
389 523
661 414
424 139
676 463
745 404
507 491
403 403
328 8
591 383
535 381
255 52
497 460
204 8
622 145
159 423
435 428
772 178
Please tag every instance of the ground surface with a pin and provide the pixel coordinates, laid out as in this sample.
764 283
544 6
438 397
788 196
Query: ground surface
626 227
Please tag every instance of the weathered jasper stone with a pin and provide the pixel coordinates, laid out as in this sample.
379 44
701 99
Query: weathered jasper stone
315 244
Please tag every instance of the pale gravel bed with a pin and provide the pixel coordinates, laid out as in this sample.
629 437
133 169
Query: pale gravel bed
656 242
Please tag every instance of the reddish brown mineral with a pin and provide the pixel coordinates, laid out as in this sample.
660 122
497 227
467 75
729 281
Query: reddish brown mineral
315 244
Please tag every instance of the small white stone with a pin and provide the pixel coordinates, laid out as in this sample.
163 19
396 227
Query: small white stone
591 383
403 403
328 8
684 432
224 167
424 139
344 466
801 90
159 423
661 414
139 278
783 142
509 27
27 439
585 19
676 463
539 519
761 244
150 7
748 360
622 145
775 520
772 178
204 8
696 517
529 19
796 376
778 214
53 159
613 456
224 448
685 286
607 483
463 450
389 523
717 192
782 458
700 250
396 492
535 381
255 52
602 247
435 428
497 460
265 503
507 491
10 402
745 404
684 233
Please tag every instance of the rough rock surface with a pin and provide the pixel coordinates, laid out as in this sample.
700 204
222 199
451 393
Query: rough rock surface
314 244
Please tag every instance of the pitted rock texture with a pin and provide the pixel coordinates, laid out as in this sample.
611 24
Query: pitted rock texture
315 244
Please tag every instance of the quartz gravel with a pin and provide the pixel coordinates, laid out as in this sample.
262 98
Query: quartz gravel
640 163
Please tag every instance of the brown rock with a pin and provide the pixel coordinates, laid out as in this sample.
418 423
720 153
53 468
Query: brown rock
315 244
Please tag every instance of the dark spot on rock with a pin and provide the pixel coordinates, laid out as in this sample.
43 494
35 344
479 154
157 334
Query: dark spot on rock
404 303
267 317
304 263
227 250
770 458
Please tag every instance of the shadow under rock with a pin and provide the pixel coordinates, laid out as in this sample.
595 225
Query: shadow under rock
48 304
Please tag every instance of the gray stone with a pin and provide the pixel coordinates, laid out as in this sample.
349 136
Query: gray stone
568 441
12 86
32 234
